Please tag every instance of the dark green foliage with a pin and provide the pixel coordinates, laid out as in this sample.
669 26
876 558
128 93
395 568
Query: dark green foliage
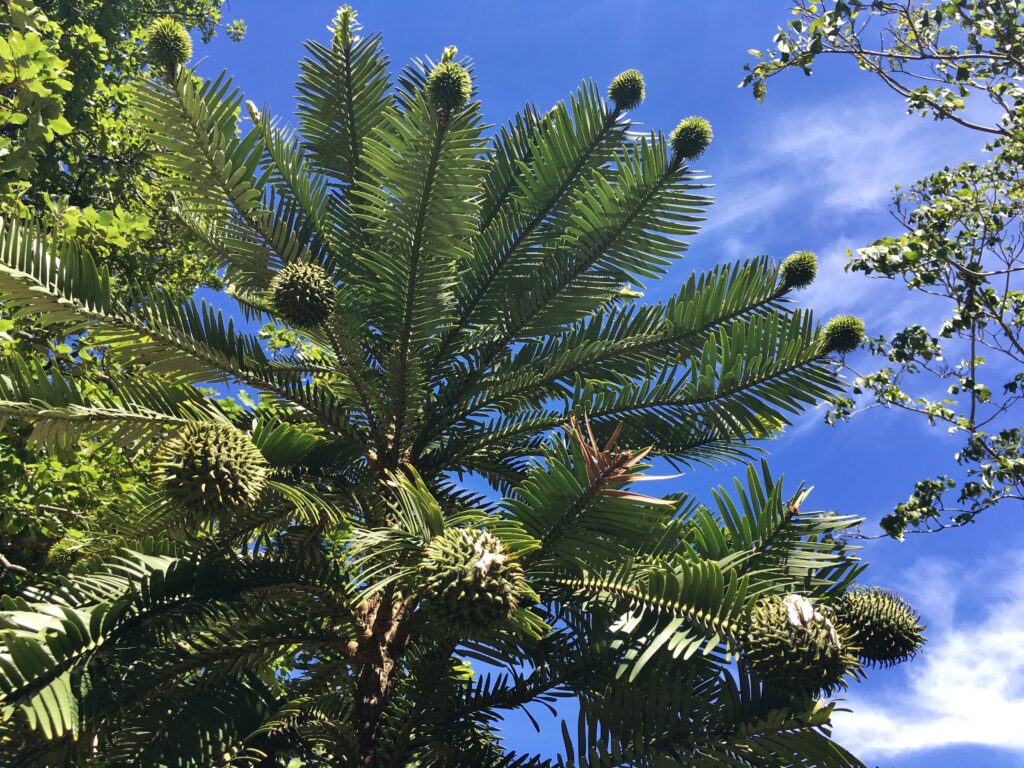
469 580
322 604
691 138
799 269
70 155
796 649
885 629
842 334
168 45
627 90
211 468
302 294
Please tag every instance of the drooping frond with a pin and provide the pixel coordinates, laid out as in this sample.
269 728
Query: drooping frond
62 410
48 646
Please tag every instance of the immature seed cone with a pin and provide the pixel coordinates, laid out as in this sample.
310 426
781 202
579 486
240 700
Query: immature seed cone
627 90
798 270
211 467
469 581
302 294
168 44
796 649
882 625
691 137
842 334
449 86
63 552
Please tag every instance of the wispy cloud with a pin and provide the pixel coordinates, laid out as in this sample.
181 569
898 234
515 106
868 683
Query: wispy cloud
822 177
885 305
834 161
967 689
835 289
855 155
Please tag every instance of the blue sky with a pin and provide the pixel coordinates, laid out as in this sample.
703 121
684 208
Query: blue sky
812 168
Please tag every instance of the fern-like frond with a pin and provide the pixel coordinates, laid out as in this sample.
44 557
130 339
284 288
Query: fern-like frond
219 178
417 205
758 531
679 606
576 141
63 410
582 515
343 95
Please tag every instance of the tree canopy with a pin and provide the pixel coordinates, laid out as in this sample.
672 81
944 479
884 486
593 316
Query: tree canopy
70 156
428 517
960 242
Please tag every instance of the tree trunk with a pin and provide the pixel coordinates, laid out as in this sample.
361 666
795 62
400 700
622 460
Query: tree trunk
379 650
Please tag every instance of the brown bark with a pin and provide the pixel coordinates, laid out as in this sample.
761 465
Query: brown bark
379 650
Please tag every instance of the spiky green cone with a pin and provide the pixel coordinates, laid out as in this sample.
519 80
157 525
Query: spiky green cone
798 270
469 581
884 627
842 334
211 468
449 86
65 551
627 90
168 44
691 138
302 294
795 649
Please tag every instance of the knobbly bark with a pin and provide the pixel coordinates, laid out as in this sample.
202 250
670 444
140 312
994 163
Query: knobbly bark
379 650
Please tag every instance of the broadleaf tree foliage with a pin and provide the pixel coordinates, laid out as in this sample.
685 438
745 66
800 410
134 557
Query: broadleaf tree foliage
960 241
312 580
72 156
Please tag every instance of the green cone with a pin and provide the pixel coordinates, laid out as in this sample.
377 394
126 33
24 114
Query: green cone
795 649
842 334
469 581
449 85
691 138
65 551
883 626
627 90
798 270
302 294
168 44
211 468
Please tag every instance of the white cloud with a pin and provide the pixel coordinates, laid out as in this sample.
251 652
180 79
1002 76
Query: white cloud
741 205
735 247
967 689
835 289
834 160
856 155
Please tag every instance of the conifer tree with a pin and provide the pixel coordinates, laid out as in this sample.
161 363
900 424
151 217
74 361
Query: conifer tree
314 580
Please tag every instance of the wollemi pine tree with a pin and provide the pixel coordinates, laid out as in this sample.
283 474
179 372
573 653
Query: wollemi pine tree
312 580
